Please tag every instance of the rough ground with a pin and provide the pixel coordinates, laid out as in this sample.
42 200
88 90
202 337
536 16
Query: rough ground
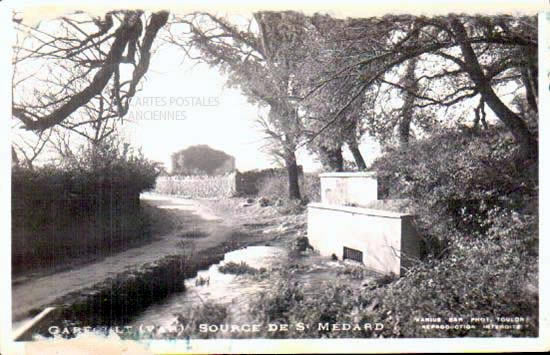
205 224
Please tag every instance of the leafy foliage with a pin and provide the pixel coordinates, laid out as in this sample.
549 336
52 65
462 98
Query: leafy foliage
456 179
88 203
95 172
480 203
237 268
485 278
357 64
201 160
261 63
275 187
208 313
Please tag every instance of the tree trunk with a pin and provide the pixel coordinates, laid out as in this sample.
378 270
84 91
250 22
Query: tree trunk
530 81
527 141
357 156
293 177
408 106
404 128
353 145
14 158
331 158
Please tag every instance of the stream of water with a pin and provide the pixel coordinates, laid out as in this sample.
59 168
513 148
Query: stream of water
233 291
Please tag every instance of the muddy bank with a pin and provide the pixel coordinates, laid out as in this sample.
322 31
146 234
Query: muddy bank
226 284
111 291
255 285
116 301
178 221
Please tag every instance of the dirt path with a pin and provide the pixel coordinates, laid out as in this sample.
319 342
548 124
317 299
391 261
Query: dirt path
203 226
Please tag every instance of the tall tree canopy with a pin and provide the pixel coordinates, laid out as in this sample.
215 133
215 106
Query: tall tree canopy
201 160
460 58
322 82
260 57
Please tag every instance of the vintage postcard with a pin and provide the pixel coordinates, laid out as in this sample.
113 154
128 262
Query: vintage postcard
206 177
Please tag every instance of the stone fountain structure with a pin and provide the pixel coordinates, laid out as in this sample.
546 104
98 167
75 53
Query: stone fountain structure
351 223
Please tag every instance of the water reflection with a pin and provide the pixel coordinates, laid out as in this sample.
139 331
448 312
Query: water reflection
233 291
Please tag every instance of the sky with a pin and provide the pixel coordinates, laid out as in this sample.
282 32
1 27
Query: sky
181 103
185 103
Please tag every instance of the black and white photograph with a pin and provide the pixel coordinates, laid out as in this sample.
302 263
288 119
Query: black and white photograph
215 179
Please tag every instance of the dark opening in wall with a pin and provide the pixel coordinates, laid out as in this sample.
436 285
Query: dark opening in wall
353 254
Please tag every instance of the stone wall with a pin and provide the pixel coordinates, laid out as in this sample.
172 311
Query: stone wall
387 239
198 186
349 188
250 182
351 222
228 185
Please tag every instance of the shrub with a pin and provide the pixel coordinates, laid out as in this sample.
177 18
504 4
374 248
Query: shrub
207 313
275 307
311 187
484 278
355 272
237 268
88 203
112 161
475 198
454 180
288 303
478 279
275 188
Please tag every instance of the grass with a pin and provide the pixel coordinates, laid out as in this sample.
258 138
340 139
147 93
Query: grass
188 324
207 313
234 268
194 235
275 188
354 272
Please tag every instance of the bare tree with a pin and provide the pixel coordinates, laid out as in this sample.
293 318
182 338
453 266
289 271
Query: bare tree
85 60
27 148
